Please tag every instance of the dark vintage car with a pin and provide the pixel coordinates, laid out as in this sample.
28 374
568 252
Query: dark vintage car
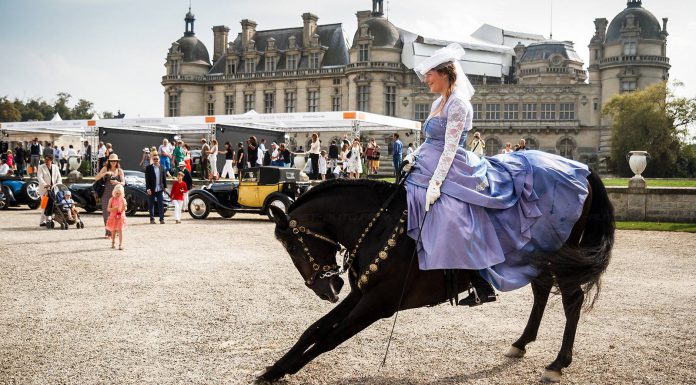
136 194
14 191
259 188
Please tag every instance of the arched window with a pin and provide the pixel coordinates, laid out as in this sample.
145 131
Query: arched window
493 146
531 143
566 148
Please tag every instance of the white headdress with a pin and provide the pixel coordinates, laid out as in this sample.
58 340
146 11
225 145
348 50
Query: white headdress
452 53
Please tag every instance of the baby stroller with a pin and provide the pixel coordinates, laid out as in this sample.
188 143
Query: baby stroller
64 210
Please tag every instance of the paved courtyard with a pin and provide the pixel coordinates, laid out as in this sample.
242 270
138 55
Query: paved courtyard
213 302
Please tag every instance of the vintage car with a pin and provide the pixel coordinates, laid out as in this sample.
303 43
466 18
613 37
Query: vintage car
136 194
259 188
15 191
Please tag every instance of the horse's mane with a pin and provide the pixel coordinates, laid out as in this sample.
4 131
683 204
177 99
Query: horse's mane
377 187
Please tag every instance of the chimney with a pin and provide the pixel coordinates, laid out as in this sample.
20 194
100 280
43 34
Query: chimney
664 23
362 16
219 41
519 50
248 32
309 29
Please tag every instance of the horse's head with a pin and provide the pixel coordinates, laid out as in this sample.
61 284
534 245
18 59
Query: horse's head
313 255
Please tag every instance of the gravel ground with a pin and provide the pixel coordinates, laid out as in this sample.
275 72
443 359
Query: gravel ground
215 301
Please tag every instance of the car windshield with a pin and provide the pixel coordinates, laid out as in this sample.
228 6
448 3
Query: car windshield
134 177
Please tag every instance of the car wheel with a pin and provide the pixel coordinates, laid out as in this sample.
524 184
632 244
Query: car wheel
4 201
226 213
34 205
199 208
31 190
280 201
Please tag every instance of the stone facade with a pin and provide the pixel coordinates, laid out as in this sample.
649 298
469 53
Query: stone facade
654 204
547 98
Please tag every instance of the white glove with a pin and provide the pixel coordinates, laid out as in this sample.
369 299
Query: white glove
408 162
432 194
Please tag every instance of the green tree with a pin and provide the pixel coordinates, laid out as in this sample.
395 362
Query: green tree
8 111
83 109
654 120
61 106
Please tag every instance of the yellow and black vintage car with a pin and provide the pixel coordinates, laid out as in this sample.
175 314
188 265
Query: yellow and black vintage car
259 188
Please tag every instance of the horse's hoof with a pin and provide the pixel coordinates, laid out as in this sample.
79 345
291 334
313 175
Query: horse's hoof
514 352
551 376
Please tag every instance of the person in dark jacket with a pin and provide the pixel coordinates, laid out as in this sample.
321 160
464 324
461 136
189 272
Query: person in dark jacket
156 184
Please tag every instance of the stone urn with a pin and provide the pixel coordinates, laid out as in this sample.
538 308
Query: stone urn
637 160
300 161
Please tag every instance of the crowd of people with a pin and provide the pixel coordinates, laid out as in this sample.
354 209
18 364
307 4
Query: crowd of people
478 146
25 158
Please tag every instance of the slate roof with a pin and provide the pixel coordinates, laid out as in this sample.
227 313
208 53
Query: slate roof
649 25
331 37
545 49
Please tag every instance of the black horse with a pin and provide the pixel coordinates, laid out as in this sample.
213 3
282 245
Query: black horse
368 217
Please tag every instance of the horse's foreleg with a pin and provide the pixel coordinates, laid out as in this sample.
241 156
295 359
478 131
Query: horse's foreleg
541 289
362 316
310 336
572 305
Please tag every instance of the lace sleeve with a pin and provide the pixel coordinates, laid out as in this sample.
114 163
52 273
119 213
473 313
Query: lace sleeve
456 119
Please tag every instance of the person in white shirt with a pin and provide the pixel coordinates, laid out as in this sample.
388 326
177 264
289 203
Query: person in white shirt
101 155
314 152
4 168
507 149
477 145
409 149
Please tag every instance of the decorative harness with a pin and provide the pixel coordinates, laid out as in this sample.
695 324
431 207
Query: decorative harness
327 271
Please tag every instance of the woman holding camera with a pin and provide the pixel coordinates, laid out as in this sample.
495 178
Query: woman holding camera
111 174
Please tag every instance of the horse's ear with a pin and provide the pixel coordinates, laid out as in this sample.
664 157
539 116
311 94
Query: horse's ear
280 217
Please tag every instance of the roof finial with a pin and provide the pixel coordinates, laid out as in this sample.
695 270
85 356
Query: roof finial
551 33
634 3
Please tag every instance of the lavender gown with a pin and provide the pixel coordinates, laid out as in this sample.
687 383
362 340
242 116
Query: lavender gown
493 211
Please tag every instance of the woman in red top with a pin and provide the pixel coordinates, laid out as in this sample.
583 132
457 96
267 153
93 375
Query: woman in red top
179 188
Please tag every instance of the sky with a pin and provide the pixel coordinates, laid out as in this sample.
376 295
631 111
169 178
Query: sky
112 52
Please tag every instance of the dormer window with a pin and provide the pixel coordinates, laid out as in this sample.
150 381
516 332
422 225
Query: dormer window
629 48
364 52
250 66
231 67
313 60
292 62
270 64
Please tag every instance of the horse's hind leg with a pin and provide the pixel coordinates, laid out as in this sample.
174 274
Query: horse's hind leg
573 297
541 288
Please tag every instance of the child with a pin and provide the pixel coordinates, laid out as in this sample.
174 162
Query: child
323 161
117 216
69 205
179 188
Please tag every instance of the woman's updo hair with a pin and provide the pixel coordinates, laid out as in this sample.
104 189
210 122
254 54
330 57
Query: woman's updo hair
447 68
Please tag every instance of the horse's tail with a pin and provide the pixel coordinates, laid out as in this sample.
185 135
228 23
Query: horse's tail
584 265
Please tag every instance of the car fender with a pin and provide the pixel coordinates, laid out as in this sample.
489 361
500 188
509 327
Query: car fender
138 196
9 194
271 195
204 194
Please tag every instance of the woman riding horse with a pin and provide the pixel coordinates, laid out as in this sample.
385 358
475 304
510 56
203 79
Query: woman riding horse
477 218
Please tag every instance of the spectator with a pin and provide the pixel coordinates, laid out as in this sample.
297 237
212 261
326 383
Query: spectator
35 156
4 168
397 153
189 182
178 153
228 169
285 155
179 189
20 156
323 161
101 155
112 175
49 149
212 158
205 161
333 155
477 144
276 156
241 159
165 155
155 184
252 151
187 157
508 148
355 159
368 154
10 161
145 161
409 149
522 146
314 151
86 151
48 175
117 216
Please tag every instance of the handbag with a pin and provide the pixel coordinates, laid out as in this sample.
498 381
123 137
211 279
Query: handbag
44 202
98 187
